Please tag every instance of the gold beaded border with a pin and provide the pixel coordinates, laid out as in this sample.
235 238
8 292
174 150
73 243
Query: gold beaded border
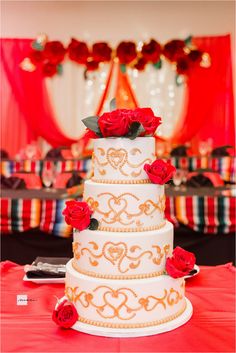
103 181
138 325
139 229
98 275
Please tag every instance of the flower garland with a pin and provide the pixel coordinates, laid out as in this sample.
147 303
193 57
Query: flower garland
49 55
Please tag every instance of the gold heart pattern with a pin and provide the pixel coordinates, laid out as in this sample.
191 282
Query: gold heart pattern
117 158
115 302
119 255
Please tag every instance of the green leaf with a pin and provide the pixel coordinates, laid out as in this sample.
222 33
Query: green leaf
158 64
123 68
93 224
135 130
37 46
92 124
188 40
60 69
113 104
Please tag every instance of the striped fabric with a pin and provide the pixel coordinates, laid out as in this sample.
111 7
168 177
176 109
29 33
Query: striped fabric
18 215
8 167
52 220
203 214
225 166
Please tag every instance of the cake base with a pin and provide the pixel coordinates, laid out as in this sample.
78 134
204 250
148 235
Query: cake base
137 332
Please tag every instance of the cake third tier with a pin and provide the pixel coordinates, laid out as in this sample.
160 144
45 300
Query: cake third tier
130 208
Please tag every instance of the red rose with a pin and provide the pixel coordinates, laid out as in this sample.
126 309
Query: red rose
174 49
183 66
195 56
126 52
65 315
151 51
101 52
89 134
49 69
181 263
36 56
78 51
54 52
92 65
147 118
115 123
159 172
140 65
77 214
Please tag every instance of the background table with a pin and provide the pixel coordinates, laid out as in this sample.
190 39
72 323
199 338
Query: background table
30 328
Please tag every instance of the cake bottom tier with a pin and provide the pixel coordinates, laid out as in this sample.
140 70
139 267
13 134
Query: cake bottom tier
113 307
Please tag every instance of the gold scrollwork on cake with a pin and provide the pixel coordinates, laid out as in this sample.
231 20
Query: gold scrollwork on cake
116 303
119 254
117 159
117 208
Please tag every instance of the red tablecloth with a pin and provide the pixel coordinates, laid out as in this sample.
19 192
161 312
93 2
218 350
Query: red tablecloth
30 328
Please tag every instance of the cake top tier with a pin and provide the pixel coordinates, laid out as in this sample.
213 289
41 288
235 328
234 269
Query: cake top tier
121 160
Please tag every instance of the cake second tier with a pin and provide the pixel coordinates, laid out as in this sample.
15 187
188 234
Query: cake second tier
130 208
121 255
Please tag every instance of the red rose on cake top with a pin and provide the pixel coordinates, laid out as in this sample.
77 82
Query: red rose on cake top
159 172
124 123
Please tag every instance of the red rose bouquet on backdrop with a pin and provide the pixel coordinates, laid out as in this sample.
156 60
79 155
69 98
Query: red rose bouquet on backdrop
54 52
126 52
180 263
159 172
65 314
78 215
78 51
151 52
124 123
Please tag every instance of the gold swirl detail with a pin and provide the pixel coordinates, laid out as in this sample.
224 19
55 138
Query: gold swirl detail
122 303
116 277
118 208
138 325
118 253
117 159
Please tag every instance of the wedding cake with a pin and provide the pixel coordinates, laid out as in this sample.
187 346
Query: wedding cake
125 280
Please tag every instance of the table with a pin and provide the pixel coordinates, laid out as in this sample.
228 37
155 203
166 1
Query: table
30 328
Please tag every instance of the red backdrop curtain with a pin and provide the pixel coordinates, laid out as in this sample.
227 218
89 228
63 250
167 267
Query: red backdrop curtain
26 111
209 107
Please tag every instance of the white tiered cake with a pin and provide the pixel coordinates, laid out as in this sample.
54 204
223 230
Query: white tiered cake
117 279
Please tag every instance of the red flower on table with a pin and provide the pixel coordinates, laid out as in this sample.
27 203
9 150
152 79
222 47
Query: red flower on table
101 52
181 263
159 172
115 123
146 117
49 69
151 51
78 51
126 52
54 52
174 49
65 314
77 214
